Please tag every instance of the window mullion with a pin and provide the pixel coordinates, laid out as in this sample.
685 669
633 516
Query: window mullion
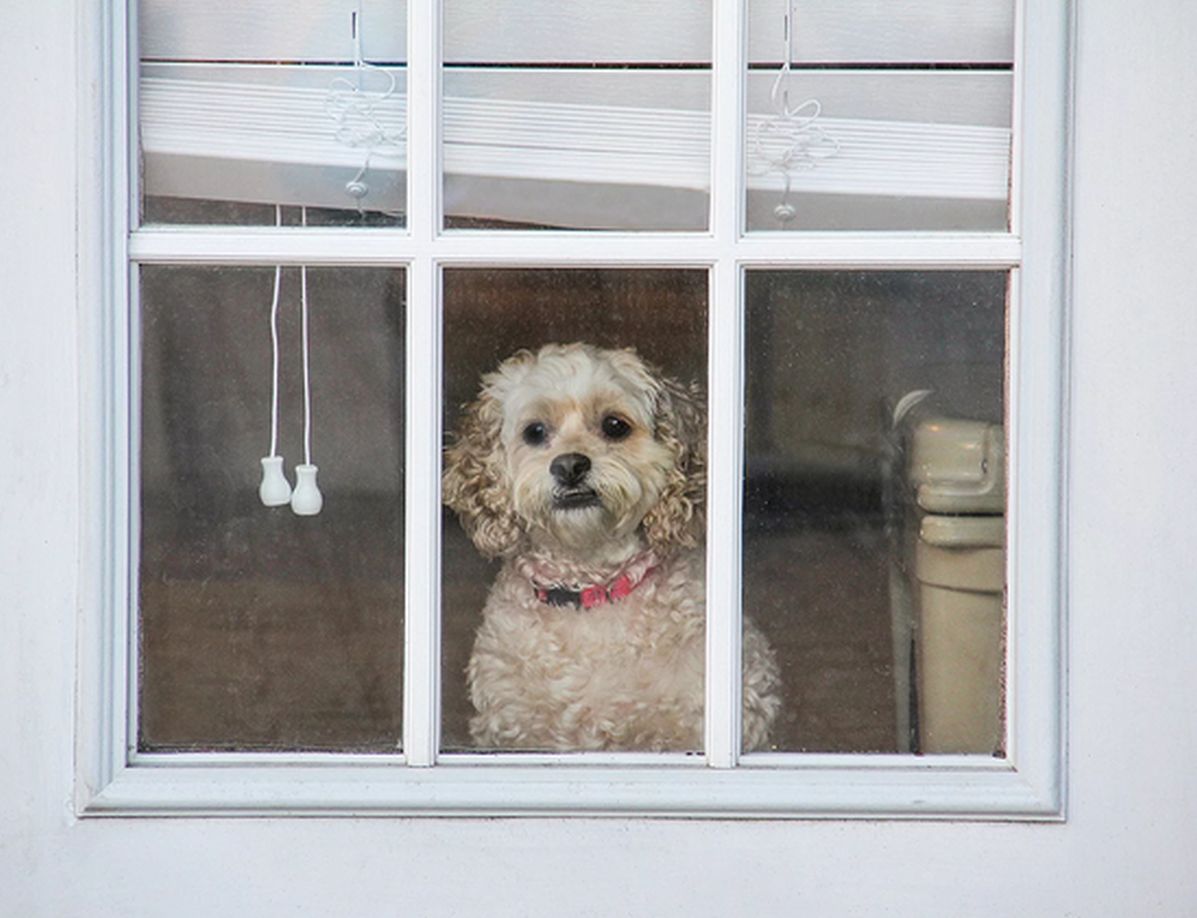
725 454
423 120
725 473
421 695
727 122
354 246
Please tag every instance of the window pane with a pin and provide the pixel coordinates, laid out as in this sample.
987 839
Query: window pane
886 117
577 115
874 506
244 106
578 471
261 628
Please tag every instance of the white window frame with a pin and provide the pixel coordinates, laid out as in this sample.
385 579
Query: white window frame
114 778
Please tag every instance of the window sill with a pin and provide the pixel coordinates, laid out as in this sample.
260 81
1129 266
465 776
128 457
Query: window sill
808 786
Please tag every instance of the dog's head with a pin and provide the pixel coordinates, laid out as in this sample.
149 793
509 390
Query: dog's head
575 447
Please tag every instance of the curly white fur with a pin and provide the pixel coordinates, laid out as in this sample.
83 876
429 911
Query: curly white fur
628 674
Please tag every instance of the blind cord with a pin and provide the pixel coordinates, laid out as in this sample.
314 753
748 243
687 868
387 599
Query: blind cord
306 500
790 139
278 274
307 375
274 490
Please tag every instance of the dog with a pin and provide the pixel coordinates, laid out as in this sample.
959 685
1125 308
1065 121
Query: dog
583 469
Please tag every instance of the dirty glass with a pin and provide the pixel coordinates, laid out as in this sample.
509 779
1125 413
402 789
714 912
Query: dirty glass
270 627
878 116
243 109
874 503
577 115
591 430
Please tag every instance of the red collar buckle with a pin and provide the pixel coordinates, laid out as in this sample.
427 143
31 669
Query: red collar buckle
592 596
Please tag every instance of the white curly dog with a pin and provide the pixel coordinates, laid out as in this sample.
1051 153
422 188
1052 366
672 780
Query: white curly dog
583 469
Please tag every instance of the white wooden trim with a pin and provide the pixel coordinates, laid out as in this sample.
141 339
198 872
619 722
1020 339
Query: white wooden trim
93 734
504 759
131 462
1037 511
853 787
263 759
422 453
1027 784
725 462
101 238
422 463
576 759
351 246
724 411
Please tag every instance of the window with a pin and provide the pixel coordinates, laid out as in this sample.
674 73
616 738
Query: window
847 232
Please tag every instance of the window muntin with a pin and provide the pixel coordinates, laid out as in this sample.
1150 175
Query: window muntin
1024 784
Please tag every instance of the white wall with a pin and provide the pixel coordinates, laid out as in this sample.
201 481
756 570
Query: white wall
1127 847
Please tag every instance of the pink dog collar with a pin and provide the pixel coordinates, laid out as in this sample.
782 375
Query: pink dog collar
592 596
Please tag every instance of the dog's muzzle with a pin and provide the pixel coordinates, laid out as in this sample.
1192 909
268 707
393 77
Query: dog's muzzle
576 499
569 471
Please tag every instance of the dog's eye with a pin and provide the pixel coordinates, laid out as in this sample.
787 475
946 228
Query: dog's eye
615 427
535 433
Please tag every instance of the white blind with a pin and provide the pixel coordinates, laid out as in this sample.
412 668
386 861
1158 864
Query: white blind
234 106
226 132
835 31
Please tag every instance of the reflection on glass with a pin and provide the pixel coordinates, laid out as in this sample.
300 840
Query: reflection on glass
261 628
874 503
893 119
240 110
577 115
572 577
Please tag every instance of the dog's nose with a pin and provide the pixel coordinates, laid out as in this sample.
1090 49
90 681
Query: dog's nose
570 468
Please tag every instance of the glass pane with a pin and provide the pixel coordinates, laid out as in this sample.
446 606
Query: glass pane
570 114
874 506
245 106
866 116
262 628
575 619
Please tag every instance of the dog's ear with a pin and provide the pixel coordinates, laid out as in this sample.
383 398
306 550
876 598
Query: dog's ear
678 518
474 483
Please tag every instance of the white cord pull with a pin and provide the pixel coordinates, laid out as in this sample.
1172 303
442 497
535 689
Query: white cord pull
274 490
306 499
